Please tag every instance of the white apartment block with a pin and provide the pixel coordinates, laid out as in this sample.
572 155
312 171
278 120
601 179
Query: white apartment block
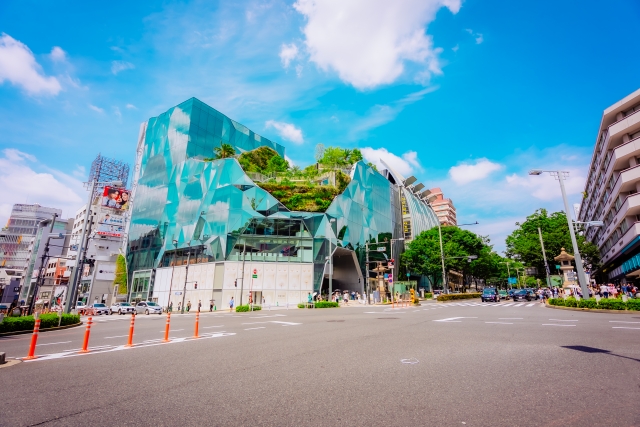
612 191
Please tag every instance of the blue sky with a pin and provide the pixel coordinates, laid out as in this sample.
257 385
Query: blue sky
466 95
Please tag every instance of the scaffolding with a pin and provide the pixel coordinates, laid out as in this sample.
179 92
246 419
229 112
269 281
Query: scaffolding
104 169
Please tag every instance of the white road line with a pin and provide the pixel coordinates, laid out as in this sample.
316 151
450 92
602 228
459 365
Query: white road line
551 324
273 315
253 323
518 305
175 330
251 329
507 305
510 318
622 327
531 305
53 343
207 327
501 323
561 320
285 323
118 336
620 321
453 319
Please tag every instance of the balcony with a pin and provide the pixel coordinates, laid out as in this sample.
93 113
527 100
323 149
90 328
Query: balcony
626 125
632 233
630 207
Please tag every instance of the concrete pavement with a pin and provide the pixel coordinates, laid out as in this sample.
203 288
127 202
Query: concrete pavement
452 364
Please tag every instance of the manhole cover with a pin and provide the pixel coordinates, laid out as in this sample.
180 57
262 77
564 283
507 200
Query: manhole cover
335 320
385 318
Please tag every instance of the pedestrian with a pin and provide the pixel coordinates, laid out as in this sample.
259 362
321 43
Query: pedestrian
211 301
231 305
188 306
199 305
263 300
170 306
179 305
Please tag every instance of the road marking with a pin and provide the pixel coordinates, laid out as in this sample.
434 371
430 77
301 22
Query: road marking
175 330
531 305
620 321
117 336
251 329
507 305
510 318
552 324
562 320
622 327
207 327
454 319
285 323
518 305
267 315
501 323
53 343
253 323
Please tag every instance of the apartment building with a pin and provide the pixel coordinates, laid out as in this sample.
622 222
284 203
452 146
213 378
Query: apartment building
612 191
444 209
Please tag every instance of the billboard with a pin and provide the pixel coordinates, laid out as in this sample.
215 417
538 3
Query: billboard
116 198
110 224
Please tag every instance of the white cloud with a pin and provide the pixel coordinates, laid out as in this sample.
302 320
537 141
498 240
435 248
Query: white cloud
367 42
477 36
117 113
467 172
118 66
286 131
406 165
19 66
455 48
288 159
545 187
57 54
96 109
21 182
131 107
288 52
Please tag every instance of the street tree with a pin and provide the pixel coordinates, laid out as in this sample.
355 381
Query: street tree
523 244
224 151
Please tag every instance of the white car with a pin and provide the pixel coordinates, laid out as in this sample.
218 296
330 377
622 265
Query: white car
148 307
98 308
80 307
122 308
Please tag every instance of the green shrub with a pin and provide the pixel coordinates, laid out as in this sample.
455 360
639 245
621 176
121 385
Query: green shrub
570 302
448 297
26 323
633 304
556 301
428 295
245 308
587 303
611 304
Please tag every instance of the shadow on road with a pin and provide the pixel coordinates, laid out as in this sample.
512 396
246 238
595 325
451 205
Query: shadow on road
586 349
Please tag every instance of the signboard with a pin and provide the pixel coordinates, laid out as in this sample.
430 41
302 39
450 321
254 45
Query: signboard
513 280
116 198
178 293
381 249
386 276
110 225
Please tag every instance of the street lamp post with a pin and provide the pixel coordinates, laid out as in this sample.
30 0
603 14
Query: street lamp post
560 176
331 222
186 276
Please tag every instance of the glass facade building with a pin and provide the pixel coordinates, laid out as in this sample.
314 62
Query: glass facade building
188 211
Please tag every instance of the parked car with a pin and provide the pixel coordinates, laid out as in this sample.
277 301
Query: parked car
4 308
122 308
436 293
98 308
148 307
522 295
81 307
510 292
503 294
490 294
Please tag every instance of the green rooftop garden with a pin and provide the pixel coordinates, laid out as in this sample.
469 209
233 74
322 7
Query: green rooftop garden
311 189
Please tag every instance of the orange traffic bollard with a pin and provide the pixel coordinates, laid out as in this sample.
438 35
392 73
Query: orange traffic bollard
166 328
87 332
34 339
195 332
133 321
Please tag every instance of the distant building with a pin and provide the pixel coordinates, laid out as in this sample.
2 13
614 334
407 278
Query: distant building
443 208
104 169
612 191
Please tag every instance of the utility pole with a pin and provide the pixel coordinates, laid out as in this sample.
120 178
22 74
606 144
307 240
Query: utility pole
366 276
444 281
186 275
544 256
45 255
244 255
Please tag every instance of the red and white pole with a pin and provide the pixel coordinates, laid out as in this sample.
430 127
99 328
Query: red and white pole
131 325
166 328
34 340
195 332
87 332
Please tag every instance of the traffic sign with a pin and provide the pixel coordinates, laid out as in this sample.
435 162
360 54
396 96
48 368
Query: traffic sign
255 273
381 249
513 280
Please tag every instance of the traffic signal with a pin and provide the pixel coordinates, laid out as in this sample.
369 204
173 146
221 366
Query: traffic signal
236 283
195 285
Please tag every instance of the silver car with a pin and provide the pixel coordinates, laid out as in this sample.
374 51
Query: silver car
148 307
122 308
98 308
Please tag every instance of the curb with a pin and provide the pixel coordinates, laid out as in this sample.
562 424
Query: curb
57 328
457 300
592 310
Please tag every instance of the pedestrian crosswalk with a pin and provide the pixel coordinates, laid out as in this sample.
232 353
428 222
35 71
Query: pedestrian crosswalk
485 304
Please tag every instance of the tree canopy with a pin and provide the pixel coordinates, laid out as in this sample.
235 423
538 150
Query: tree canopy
524 243
224 151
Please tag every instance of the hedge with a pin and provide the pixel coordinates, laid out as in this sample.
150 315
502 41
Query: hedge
244 308
448 297
319 304
428 295
26 323
604 304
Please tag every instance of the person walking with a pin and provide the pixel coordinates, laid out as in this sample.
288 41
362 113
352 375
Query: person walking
179 305
231 305
199 305
263 300
188 306
170 306
211 304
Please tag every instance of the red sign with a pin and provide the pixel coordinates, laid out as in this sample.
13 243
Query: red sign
255 271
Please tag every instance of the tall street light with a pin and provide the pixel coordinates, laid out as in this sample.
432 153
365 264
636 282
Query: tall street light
331 222
561 176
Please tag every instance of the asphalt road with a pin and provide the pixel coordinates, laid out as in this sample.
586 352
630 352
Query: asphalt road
439 365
